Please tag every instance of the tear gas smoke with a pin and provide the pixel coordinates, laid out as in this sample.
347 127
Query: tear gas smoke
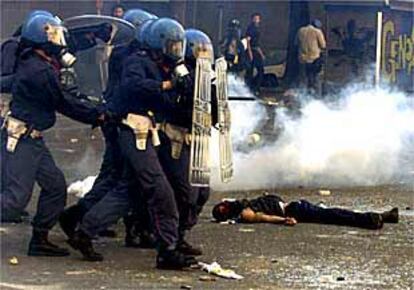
363 138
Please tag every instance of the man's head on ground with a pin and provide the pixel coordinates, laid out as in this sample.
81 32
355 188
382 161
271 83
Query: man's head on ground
227 210
118 11
256 18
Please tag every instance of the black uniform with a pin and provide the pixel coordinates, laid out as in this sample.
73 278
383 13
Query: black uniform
177 170
140 92
111 167
37 96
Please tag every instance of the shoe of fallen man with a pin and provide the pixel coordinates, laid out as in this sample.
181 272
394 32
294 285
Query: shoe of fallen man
187 249
40 246
174 260
391 216
376 222
83 243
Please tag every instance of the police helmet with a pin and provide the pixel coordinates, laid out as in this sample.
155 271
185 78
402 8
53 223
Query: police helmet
167 36
138 16
43 29
31 14
34 13
198 44
47 32
142 33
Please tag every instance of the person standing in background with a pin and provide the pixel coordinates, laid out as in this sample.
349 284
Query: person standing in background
311 43
255 53
118 11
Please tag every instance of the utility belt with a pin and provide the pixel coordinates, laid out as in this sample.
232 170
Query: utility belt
17 129
142 125
178 136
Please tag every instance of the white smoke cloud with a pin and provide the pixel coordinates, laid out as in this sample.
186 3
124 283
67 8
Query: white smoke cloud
363 138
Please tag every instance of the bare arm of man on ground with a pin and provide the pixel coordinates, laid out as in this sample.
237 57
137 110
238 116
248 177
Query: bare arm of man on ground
249 216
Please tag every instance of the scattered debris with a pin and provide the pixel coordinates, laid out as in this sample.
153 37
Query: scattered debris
246 230
206 278
13 261
228 222
188 287
215 269
324 192
92 271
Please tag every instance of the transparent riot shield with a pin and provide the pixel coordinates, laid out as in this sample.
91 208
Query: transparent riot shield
199 174
224 121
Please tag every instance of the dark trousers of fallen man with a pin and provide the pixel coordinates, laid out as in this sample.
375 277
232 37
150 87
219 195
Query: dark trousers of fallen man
272 209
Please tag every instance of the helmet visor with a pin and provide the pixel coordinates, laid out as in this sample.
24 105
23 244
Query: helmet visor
56 34
174 49
204 50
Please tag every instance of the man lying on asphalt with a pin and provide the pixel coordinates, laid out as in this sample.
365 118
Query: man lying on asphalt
273 209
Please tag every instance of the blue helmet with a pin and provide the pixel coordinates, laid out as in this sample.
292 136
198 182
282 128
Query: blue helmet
47 32
138 16
142 34
198 44
42 29
167 36
34 13
31 14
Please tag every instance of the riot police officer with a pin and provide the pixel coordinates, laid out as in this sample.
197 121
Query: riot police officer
175 138
146 91
112 163
37 95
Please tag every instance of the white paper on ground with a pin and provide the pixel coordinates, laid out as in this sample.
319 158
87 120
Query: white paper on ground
215 269
81 187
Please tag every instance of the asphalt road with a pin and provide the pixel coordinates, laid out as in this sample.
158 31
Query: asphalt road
306 256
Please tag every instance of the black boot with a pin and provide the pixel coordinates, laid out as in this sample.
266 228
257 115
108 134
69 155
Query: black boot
187 249
83 243
40 246
174 260
146 240
131 237
70 218
391 216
